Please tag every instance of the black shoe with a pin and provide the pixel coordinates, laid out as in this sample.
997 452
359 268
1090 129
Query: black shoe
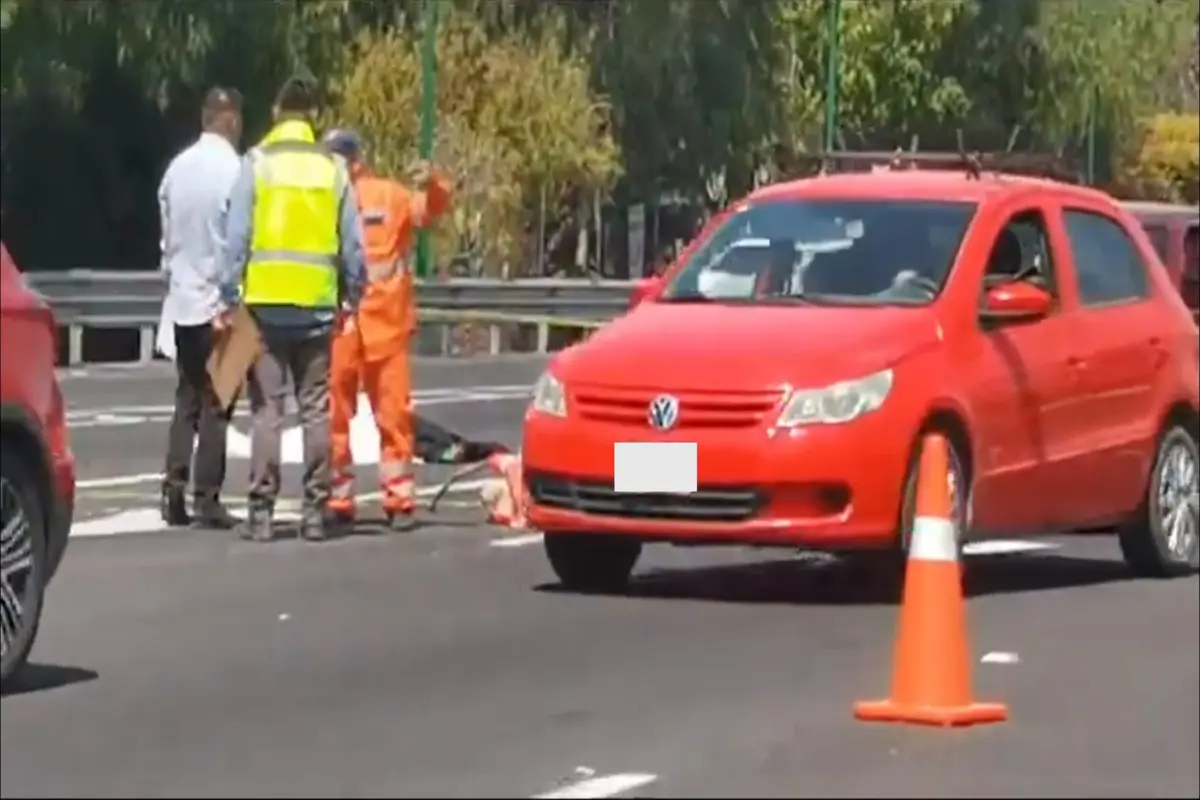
214 515
174 508
401 521
257 527
315 530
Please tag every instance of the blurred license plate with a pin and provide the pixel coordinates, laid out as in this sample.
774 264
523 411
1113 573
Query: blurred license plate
654 467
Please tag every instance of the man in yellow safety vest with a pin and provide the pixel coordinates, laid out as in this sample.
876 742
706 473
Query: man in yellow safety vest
295 258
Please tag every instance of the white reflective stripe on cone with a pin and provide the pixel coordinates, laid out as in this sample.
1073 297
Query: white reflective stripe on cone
933 539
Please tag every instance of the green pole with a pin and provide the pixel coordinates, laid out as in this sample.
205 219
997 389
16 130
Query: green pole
429 9
1093 101
833 46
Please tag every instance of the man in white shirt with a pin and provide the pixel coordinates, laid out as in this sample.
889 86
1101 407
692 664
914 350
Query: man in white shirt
193 199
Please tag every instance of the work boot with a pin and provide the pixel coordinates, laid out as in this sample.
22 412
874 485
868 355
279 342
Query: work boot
257 527
174 508
212 514
341 518
402 521
316 528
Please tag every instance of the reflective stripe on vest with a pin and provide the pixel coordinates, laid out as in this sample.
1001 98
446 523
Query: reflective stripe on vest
294 252
372 216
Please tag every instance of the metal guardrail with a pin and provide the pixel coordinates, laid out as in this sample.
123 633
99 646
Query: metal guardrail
85 300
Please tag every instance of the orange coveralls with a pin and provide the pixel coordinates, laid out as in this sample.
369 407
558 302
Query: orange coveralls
371 349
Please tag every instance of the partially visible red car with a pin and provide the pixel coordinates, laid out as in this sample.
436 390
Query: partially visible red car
1174 230
1022 318
37 468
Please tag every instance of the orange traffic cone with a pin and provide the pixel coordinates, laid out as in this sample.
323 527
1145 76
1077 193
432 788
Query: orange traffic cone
506 499
931 679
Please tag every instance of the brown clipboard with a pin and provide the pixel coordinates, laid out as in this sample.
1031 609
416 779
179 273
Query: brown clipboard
235 350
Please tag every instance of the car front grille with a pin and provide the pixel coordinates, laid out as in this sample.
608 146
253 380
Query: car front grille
696 409
707 504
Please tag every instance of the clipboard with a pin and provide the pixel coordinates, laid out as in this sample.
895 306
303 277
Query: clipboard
234 353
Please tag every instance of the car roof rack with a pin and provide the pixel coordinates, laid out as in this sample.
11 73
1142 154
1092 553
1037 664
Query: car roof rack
973 163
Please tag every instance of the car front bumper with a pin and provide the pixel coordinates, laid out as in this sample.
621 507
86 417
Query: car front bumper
61 511
829 487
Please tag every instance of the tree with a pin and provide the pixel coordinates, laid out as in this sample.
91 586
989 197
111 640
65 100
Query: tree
517 121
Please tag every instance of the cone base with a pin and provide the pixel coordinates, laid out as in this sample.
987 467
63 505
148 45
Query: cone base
940 716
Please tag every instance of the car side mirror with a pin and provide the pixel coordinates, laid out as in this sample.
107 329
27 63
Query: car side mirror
1018 301
645 289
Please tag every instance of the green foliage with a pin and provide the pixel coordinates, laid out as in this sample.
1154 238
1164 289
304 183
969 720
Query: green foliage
560 97
1167 163
516 118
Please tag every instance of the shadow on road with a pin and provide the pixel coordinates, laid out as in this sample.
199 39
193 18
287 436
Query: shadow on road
832 582
43 677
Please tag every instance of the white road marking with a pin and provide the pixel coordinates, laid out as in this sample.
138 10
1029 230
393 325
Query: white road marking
438 396
996 547
144 520
149 520
602 786
161 414
524 540
118 480
1000 657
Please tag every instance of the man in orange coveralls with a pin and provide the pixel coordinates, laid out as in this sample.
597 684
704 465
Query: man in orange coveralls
371 348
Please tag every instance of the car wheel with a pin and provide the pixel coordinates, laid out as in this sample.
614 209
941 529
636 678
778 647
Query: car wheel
22 562
590 562
890 564
1164 541
960 497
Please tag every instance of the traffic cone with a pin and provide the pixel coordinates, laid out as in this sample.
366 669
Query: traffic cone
931 677
505 500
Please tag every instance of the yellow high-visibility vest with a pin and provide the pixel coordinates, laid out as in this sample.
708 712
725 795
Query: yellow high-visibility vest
295 244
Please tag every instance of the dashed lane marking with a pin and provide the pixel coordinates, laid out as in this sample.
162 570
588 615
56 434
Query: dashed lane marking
521 540
1001 547
149 520
600 786
986 548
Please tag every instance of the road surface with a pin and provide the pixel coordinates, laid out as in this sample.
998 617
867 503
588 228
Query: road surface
445 663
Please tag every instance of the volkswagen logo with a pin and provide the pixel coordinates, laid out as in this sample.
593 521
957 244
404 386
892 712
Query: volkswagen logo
664 412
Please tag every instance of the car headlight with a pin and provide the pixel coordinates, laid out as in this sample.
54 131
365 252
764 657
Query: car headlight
838 403
549 396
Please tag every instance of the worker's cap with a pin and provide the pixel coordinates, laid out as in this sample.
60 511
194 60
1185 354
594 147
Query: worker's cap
344 142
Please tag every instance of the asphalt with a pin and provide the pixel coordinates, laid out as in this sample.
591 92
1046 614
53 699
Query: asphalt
446 663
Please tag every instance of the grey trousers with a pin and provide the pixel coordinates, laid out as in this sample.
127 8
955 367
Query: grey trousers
306 362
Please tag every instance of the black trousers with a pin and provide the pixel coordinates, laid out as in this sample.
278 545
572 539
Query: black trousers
197 414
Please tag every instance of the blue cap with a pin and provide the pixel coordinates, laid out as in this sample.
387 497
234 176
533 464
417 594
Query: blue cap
344 142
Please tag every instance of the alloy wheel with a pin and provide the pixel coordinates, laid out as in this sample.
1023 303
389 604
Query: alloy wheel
16 564
1179 502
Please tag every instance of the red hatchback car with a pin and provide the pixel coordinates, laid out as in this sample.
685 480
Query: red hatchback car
37 470
773 387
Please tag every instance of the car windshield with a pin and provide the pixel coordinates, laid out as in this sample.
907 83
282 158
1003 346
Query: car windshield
853 252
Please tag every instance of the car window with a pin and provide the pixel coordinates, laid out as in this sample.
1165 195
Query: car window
1160 237
864 252
1108 265
1022 252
